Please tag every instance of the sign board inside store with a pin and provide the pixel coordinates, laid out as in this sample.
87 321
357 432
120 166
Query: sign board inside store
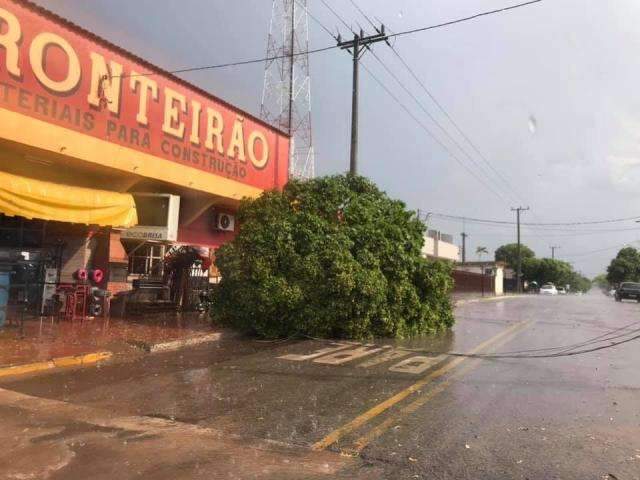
148 233
158 216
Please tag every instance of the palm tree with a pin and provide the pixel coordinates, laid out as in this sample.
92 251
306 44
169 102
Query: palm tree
480 251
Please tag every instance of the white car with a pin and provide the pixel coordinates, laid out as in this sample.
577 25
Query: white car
562 291
548 289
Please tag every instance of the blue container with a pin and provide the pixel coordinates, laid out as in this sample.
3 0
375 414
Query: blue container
5 278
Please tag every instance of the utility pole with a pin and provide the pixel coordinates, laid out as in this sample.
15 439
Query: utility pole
553 251
464 247
519 253
356 47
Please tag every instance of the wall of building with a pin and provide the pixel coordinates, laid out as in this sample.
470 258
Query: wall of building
202 231
499 281
436 248
494 270
471 282
75 255
448 250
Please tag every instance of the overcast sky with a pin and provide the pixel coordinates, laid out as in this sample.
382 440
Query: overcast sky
547 93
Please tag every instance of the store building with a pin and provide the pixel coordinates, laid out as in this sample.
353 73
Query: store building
107 161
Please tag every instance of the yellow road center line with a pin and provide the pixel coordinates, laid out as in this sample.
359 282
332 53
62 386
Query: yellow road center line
375 432
373 412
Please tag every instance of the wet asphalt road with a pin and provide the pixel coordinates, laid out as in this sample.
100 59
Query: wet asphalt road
398 409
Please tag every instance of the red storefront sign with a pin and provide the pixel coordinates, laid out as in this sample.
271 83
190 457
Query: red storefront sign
53 71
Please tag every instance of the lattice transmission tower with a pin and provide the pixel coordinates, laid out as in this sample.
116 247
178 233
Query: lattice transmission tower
286 94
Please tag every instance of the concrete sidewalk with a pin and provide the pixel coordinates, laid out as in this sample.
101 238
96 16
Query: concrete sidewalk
59 440
73 344
463 298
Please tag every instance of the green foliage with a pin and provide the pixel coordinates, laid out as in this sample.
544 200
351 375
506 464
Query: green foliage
548 270
580 283
601 281
625 267
509 254
330 257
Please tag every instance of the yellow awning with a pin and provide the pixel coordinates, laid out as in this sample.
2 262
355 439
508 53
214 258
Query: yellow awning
31 198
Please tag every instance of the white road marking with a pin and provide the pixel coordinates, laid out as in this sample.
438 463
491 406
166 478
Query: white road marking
338 358
417 364
384 357
339 353
318 353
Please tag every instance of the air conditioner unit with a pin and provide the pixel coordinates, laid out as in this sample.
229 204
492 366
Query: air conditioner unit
157 218
225 222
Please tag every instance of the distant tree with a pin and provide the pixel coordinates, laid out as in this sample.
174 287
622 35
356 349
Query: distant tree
625 267
580 283
601 281
547 270
480 251
509 254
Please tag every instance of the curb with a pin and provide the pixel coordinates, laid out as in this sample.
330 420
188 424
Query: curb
488 299
177 344
60 362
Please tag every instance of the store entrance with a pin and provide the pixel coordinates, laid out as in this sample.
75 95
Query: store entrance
30 264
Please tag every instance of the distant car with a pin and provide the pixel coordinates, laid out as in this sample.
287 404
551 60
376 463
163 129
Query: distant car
612 292
562 291
548 289
628 290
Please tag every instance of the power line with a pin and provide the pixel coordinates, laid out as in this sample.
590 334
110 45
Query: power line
514 193
455 124
441 108
335 14
607 336
431 117
436 139
466 137
321 49
600 250
577 233
230 64
566 354
509 222
592 222
569 351
423 108
315 19
464 19
571 231
362 13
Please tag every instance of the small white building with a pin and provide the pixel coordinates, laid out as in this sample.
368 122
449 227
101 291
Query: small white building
492 269
439 245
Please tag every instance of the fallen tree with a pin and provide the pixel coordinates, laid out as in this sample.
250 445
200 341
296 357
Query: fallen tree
331 257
